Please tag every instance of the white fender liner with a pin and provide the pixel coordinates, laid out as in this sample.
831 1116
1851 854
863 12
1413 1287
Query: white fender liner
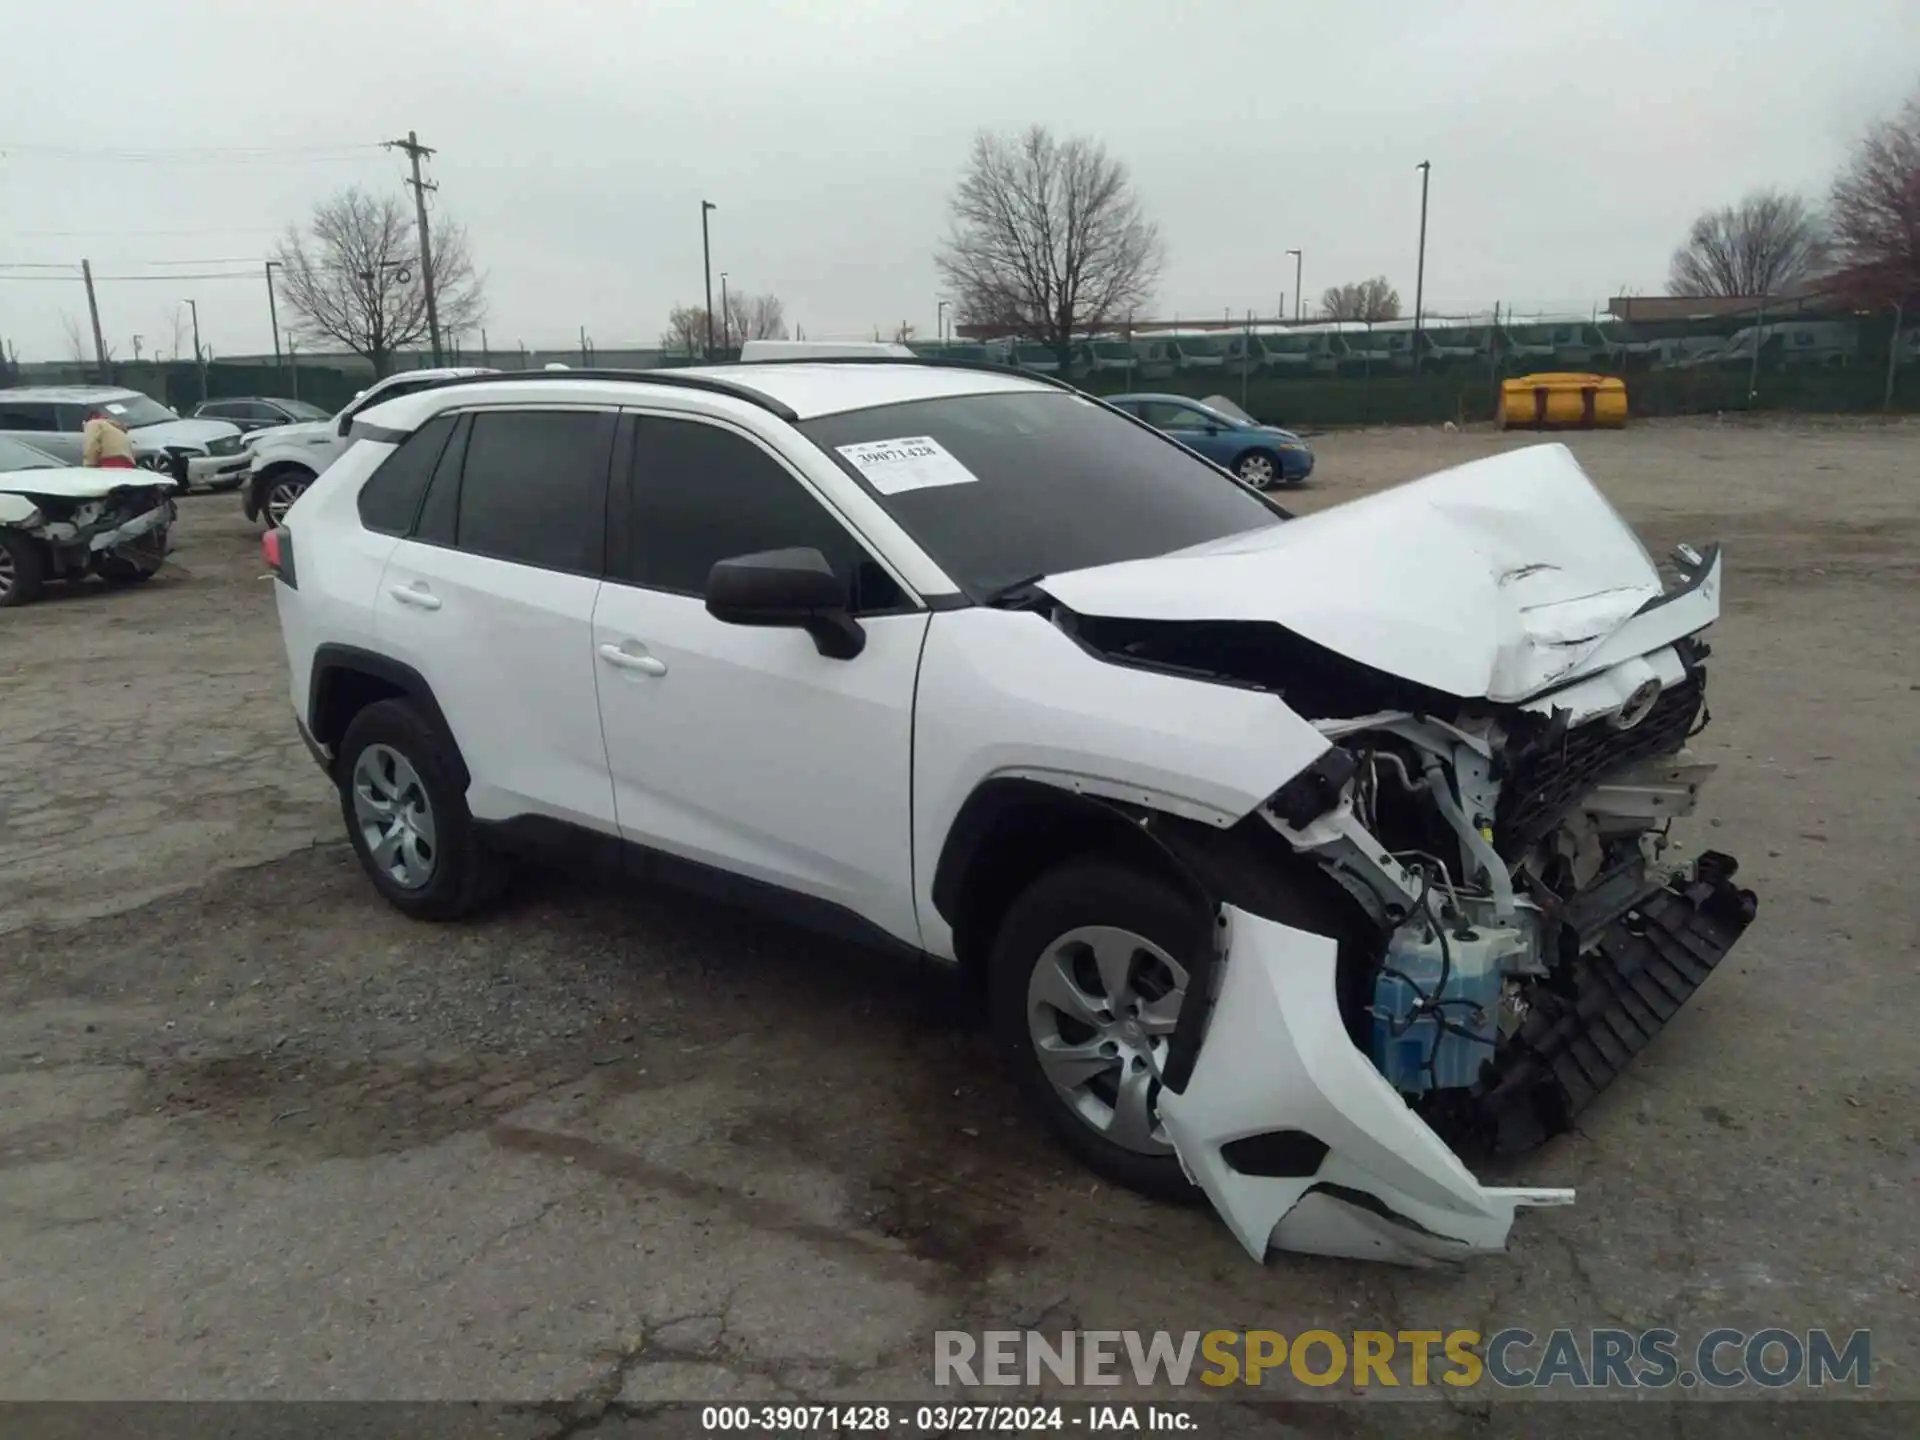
1276 1057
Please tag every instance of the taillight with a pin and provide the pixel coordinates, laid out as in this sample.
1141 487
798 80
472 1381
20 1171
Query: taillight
276 548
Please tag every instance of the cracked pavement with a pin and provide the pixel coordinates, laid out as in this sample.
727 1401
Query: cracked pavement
262 1138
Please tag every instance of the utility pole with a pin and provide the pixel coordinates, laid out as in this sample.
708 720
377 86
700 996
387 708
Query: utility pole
1299 305
293 369
416 152
726 323
1425 167
486 354
273 322
940 321
199 355
136 349
93 308
706 267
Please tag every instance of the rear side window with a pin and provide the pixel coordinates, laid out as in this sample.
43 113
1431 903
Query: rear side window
391 497
25 416
703 494
534 488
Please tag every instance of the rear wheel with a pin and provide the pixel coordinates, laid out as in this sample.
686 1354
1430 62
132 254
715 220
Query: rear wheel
1085 984
407 817
22 569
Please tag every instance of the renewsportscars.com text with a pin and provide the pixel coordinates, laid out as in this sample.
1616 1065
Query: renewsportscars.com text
1512 1358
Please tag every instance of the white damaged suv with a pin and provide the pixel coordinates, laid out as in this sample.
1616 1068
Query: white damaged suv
1296 858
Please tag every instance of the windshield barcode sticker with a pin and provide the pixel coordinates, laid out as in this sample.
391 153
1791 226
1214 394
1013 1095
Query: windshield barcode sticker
913 462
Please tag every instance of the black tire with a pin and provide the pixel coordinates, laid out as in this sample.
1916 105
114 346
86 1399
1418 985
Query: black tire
465 875
25 569
1086 893
1277 478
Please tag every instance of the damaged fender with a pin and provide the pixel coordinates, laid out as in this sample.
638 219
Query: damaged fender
18 512
1276 1058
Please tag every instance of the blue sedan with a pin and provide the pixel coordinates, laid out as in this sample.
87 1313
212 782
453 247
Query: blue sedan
1261 455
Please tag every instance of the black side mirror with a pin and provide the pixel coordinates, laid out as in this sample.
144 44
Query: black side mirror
793 588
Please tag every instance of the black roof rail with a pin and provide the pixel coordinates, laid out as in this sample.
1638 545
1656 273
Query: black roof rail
672 378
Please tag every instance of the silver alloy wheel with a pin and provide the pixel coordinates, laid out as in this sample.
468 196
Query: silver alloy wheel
1256 470
1101 1007
395 817
9 573
280 497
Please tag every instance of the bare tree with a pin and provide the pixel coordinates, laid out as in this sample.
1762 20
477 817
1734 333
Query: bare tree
903 332
1876 224
1047 238
686 332
358 282
1876 213
1368 300
756 317
76 339
748 317
1763 245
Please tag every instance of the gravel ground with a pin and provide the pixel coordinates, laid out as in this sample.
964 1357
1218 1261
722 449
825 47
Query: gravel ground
260 1137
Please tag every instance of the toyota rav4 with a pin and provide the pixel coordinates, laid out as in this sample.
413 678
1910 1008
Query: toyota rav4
1294 858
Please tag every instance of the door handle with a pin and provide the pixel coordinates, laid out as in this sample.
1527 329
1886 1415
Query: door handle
627 660
417 595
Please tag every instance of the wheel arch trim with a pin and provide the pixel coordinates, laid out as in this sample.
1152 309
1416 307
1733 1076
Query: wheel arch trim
333 662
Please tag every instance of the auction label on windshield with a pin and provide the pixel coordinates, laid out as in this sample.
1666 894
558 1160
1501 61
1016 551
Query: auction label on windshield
913 462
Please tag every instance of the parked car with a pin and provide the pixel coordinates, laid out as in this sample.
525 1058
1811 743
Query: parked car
1279 848
1261 455
194 452
63 522
282 462
258 412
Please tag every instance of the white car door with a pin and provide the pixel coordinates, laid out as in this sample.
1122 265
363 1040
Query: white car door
740 748
491 600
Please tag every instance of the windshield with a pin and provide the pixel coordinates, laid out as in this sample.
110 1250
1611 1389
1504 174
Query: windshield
15 456
134 411
1197 345
1029 484
1112 349
1287 344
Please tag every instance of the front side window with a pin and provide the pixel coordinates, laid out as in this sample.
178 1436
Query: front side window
533 488
703 494
1033 483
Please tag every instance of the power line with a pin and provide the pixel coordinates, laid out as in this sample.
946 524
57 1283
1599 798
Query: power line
192 155
69 279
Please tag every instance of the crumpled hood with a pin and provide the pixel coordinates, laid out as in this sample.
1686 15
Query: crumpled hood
78 482
1499 579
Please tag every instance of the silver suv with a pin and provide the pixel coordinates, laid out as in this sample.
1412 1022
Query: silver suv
52 418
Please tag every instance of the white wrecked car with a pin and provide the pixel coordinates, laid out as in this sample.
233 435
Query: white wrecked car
63 522
1286 851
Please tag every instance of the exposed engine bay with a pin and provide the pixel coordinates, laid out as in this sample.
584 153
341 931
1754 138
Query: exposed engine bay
1529 928
115 531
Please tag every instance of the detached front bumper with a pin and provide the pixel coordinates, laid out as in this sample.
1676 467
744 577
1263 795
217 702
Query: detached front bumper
1279 1087
1301 1144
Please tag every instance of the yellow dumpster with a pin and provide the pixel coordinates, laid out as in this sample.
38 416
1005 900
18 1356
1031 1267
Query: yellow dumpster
1559 401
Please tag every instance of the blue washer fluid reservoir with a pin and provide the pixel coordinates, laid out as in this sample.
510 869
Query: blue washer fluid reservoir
1402 1042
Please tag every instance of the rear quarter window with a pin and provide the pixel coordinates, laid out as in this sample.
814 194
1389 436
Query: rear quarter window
390 499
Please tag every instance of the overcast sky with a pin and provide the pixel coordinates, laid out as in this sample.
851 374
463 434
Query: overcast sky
1571 144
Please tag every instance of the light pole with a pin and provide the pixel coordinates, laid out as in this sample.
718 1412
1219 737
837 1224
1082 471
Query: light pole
726 323
1299 309
706 267
1425 167
273 317
940 321
199 355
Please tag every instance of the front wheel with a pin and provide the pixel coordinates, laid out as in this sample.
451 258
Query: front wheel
1258 469
407 817
279 492
22 568
1085 984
